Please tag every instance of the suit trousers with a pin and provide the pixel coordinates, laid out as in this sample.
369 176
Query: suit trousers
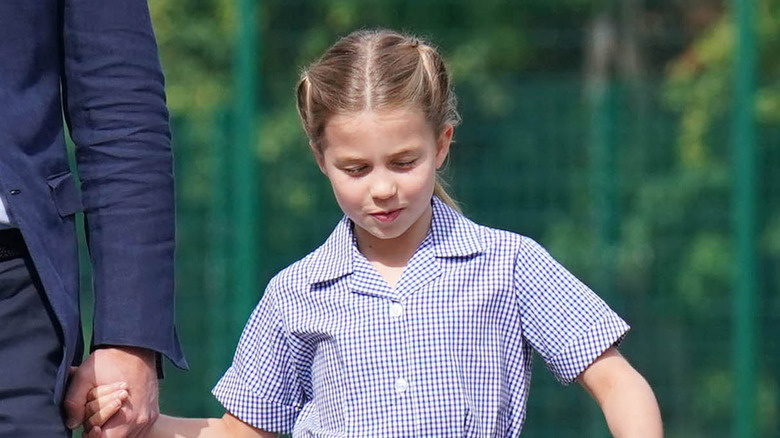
31 348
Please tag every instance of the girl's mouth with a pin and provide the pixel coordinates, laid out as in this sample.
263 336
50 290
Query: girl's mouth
386 216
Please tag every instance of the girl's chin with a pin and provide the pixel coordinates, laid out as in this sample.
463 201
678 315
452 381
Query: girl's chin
381 234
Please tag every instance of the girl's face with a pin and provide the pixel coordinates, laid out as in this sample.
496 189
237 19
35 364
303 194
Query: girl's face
382 166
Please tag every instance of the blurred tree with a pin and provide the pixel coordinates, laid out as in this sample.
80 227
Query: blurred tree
699 88
196 46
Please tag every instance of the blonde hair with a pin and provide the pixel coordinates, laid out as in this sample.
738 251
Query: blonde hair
375 70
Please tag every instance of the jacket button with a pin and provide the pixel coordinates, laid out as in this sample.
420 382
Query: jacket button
15 191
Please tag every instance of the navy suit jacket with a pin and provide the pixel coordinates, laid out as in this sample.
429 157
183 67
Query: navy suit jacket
96 62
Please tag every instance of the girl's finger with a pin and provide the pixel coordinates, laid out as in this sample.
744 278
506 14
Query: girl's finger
95 405
94 433
100 410
102 390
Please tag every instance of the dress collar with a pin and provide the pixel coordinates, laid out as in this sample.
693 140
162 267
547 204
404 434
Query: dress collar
451 235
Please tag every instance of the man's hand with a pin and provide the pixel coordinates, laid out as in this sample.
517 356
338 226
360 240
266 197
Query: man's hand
134 366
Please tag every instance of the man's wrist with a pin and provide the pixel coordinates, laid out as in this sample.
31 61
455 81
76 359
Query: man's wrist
148 356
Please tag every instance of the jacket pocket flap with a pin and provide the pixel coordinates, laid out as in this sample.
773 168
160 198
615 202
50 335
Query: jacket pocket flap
67 197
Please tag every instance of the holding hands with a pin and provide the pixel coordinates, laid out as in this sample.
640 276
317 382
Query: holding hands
116 389
103 402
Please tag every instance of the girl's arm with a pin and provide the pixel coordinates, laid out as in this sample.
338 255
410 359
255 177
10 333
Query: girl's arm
624 396
226 427
106 400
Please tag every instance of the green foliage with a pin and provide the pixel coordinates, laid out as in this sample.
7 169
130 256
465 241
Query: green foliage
196 44
699 88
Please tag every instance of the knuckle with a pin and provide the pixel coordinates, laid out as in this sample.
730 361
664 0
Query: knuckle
114 433
70 406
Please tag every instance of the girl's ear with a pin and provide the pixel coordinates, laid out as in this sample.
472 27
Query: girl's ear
318 156
443 144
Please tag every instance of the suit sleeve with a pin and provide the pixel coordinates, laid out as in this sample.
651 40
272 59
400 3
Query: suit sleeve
114 99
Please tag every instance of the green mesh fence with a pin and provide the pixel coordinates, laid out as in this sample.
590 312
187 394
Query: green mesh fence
622 169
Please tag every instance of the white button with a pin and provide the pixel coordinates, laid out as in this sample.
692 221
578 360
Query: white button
396 310
401 385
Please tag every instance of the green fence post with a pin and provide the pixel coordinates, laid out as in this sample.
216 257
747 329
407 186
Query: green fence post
603 126
245 211
745 293
218 292
603 120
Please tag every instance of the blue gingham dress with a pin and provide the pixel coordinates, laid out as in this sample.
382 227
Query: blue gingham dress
332 351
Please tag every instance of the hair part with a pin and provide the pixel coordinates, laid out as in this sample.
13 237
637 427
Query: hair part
374 70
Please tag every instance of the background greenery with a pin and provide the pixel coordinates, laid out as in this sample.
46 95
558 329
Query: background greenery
601 129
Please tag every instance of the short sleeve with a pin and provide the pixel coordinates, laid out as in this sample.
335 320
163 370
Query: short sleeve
261 387
563 319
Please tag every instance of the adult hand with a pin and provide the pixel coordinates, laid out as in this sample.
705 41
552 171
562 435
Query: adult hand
134 366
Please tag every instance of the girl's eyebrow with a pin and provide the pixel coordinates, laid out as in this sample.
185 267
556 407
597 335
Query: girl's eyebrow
347 159
410 150
351 159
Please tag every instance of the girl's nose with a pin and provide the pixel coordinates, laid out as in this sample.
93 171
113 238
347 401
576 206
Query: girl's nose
382 187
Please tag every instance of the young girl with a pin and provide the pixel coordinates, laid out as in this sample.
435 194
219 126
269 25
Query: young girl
410 320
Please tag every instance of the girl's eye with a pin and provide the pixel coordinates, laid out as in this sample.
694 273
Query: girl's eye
405 164
354 171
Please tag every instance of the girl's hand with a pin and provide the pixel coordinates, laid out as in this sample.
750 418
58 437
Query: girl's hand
102 403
